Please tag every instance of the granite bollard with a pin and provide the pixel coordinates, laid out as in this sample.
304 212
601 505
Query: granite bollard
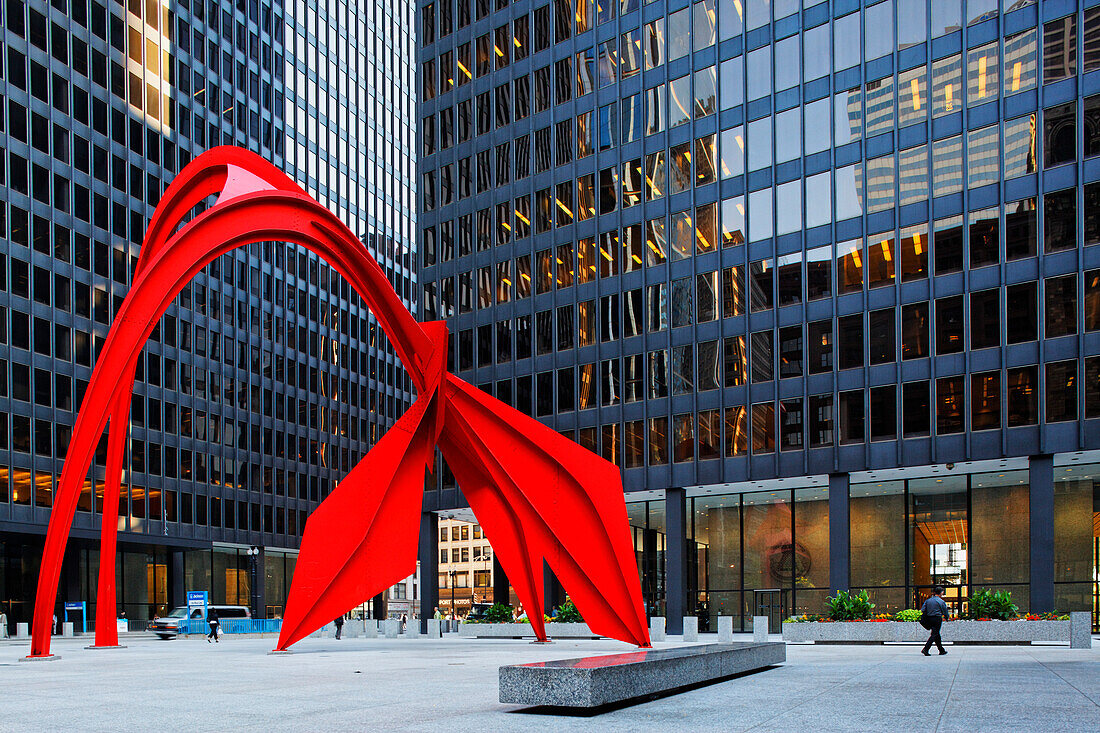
1080 630
22 631
657 628
725 629
392 627
435 628
759 628
593 682
67 628
691 628
412 628
370 628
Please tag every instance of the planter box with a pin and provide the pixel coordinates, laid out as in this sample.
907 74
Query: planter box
522 631
1076 631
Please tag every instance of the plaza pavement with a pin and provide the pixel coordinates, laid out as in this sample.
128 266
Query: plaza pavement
451 685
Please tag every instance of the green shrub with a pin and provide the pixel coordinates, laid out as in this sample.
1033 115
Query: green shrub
991 604
847 606
568 613
909 614
499 613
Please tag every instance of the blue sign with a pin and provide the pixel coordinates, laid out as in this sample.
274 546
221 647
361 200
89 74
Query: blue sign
78 606
196 598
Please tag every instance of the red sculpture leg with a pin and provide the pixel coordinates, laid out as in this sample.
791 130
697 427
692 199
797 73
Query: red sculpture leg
106 631
540 497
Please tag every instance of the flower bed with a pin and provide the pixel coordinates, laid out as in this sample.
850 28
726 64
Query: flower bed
523 630
1075 630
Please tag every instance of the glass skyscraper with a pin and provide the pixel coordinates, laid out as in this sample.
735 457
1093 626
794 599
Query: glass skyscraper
822 278
267 379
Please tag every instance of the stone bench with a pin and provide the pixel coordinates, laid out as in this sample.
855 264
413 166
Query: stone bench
614 679
554 630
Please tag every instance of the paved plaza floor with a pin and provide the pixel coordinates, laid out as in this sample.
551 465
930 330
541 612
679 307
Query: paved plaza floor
451 685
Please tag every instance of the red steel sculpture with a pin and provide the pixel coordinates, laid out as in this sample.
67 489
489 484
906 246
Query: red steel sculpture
538 495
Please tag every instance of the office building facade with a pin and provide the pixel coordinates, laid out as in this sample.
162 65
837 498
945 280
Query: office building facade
267 380
821 278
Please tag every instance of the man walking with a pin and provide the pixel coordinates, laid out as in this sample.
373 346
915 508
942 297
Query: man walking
339 625
933 614
212 620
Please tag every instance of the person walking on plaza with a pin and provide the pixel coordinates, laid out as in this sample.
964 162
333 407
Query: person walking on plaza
933 614
438 614
339 625
212 619
3 625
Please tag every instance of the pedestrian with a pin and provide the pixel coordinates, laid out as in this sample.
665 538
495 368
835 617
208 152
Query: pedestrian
933 614
438 614
55 627
3 625
339 625
212 619
404 620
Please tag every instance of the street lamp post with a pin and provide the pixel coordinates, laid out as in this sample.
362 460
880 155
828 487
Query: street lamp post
253 553
454 611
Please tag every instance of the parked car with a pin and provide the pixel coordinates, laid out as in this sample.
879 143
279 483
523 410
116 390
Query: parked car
168 627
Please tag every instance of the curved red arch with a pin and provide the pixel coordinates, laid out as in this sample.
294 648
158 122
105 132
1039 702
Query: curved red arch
538 495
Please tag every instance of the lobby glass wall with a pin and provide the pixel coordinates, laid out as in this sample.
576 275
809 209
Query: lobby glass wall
760 553
1077 538
965 532
647 523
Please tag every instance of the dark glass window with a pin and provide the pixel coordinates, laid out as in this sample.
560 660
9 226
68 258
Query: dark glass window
1021 305
884 413
762 354
851 417
790 352
1021 228
949 325
821 346
914 331
883 339
1061 306
850 341
1059 134
949 245
985 319
985 401
950 405
1061 391
1023 396
915 409
1060 214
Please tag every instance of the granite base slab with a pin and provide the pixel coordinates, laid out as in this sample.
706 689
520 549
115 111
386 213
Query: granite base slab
617 679
521 631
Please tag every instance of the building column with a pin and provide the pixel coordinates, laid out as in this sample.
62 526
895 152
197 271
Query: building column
1040 471
429 567
378 606
501 593
840 538
552 592
177 593
675 560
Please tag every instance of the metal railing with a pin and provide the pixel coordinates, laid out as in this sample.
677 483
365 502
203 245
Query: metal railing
233 626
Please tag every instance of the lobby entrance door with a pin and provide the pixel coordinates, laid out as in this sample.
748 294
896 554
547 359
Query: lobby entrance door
773 603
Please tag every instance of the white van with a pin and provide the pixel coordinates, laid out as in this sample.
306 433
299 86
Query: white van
168 627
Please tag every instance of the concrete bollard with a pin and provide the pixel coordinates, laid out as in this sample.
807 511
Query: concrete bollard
725 629
67 628
392 627
370 628
691 628
352 629
657 629
1080 630
759 628
412 628
435 628
22 631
